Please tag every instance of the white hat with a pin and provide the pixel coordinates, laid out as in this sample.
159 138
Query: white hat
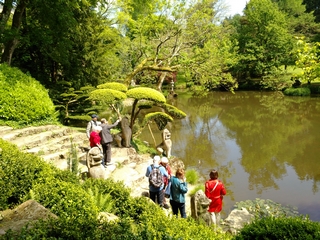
164 160
156 159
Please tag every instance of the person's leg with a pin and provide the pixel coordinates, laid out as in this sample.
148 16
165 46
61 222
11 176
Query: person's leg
108 153
152 196
213 218
160 198
174 207
104 149
182 209
218 218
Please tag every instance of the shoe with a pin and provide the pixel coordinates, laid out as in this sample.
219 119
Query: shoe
166 206
109 163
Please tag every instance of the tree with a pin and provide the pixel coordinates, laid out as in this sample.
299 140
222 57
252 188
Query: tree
264 40
308 60
113 94
166 36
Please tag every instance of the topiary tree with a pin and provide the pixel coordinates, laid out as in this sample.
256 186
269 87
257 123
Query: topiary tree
23 99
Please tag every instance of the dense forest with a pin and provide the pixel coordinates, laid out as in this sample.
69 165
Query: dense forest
72 46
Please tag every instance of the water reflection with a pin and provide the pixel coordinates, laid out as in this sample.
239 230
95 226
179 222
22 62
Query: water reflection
263 144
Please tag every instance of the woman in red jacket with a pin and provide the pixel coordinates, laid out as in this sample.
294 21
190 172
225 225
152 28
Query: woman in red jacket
214 190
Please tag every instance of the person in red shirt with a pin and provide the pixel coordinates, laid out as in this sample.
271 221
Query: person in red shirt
95 139
214 190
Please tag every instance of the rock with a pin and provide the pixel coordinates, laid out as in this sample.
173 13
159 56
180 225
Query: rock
26 213
107 217
199 207
236 220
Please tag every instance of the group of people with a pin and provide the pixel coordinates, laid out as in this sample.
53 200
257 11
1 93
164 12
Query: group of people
99 136
178 186
214 189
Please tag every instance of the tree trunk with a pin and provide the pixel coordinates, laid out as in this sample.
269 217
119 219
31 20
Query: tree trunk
11 44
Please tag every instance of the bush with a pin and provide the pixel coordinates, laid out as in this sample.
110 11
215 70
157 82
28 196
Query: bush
119 193
20 171
303 91
66 200
23 99
192 176
280 228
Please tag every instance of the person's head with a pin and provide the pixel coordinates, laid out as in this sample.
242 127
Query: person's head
156 160
214 174
97 129
103 120
94 117
164 161
180 173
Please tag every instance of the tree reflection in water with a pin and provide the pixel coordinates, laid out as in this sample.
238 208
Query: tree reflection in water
263 144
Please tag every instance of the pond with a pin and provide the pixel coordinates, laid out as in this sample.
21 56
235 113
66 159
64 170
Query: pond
264 145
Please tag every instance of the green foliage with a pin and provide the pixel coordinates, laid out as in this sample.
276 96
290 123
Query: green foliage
104 202
173 111
301 91
20 171
192 176
145 93
107 96
280 228
196 189
23 99
117 190
72 160
308 60
115 86
142 148
262 208
160 118
66 200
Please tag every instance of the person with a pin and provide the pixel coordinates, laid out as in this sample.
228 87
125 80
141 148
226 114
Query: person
156 193
94 122
179 188
165 163
95 139
214 190
106 140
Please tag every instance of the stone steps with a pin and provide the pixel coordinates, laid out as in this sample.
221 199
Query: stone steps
51 142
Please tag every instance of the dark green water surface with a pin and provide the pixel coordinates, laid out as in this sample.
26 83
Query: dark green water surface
263 144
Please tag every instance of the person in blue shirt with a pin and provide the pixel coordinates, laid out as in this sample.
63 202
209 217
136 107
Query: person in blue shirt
156 194
177 194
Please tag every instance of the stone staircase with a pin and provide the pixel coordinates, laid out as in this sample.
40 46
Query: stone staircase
51 142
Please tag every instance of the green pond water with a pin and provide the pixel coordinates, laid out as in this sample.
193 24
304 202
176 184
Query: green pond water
263 144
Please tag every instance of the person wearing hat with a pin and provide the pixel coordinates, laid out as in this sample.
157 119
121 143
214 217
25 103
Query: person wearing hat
94 122
156 193
165 163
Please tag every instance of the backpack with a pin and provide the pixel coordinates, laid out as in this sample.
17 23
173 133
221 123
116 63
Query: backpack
155 177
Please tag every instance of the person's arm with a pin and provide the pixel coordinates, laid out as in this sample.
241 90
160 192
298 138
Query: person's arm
207 189
89 125
164 171
148 171
183 187
223 190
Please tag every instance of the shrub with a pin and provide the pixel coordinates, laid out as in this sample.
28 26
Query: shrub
280 228
20 171
192 176
23 99
66 200
303 91
119 193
